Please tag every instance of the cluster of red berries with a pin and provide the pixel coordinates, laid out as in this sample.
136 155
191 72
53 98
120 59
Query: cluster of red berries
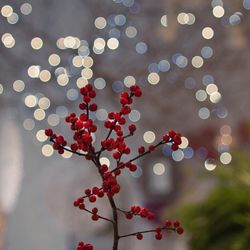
137 210
83 246
173 137
82 144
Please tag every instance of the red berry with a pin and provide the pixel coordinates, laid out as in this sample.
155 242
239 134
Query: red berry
168 223
172 133
48 132
92 198
166 138
132 128
139 236
174 147
95 217
93 107
180 230
141 150
158 236
129 216
176 223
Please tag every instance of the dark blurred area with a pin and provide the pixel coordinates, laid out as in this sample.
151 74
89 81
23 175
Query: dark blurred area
191 59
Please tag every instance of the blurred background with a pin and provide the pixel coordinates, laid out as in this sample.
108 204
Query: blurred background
191 59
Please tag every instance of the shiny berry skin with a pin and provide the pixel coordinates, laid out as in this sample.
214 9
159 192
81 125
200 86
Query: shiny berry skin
48 132
180 230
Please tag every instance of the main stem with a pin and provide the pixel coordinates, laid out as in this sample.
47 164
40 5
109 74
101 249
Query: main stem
116 236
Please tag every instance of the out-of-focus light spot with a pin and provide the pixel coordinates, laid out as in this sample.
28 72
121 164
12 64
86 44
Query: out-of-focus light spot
83 50
67 154
134 115
120 20
113 43
60 43
225 158
129 81
201 153
53 120
246 4
207 52
101 114
218 11
188 153
34 71
81 82
201 95
153 67
226 139
6 11
72 94
184 142
99 83
207 79
28 124
149 137
88 62
210 164
40 136
235 18
117 86
36 43
47 150
197 61
153 78
141 48
99 43
62 80
131 31
77 61
45 75
211 88
8 40
181 61
177 155
70 42
18 85
221 112
164 66
208 33
204 113
26 9
182 18
87 73
105 160
30 101
215 97
225 130
115 33
54 59
1 88
164 21
100 22
44 103
39 114
13 19
159 169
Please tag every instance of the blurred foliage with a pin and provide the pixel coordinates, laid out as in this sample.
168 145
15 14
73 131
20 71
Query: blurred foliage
222 221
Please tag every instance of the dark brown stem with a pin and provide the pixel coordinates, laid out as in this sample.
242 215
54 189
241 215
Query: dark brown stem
101 217
116 236
146 231
67 149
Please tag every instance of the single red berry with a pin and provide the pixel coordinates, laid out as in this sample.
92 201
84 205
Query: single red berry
92 198
129 216
48 132
158 236
132 128
168 223
172 133
176 224
141 150
87 191
74 147
139 236
180 230
82 206
93 107
95 217
177 139
174 147
166 138
95 210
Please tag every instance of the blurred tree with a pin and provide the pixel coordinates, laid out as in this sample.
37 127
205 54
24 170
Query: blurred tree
222 221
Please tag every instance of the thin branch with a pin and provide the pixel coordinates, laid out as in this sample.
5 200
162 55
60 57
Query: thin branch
101 217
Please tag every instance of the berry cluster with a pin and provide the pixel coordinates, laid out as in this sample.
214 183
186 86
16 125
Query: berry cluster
83 246
83 128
